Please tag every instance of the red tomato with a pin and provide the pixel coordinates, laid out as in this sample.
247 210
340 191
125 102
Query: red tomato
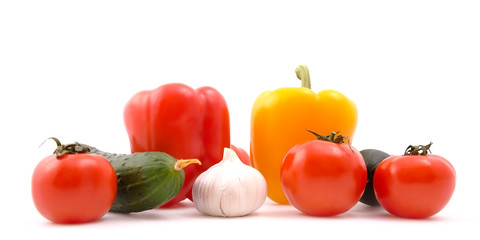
242 154
323 178
414 186
74 188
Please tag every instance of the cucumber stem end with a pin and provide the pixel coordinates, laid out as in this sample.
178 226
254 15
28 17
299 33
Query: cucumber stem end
182 163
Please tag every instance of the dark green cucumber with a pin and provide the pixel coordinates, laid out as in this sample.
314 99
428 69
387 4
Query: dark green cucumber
146 180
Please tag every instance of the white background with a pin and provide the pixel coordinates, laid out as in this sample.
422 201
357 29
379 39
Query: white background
68 67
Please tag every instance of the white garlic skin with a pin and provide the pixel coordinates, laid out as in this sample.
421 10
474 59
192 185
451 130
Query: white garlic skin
229 188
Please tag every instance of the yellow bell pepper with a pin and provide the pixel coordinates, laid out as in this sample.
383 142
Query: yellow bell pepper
279 121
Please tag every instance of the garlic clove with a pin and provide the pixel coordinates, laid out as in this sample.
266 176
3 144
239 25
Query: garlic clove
229 188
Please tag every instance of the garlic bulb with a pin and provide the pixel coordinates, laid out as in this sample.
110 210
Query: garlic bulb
229 188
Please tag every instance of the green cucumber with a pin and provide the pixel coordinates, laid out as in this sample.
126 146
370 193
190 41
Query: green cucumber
146 180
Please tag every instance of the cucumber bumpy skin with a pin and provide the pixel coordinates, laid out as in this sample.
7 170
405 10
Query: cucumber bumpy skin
146 180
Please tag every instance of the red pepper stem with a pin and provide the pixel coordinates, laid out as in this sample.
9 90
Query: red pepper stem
304 75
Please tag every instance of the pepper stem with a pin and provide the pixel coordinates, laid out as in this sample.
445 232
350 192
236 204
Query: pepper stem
182 163
418 150
304 75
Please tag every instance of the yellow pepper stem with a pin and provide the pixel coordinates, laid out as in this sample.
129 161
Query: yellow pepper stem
304 75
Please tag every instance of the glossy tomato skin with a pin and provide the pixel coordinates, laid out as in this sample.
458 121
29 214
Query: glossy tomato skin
414 186
75 188
322 178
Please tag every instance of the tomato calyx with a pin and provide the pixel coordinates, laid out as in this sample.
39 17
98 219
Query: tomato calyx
333 138
72 148
418 150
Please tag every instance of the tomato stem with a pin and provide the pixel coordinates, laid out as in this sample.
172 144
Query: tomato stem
418 150
304 75
69 148
330 138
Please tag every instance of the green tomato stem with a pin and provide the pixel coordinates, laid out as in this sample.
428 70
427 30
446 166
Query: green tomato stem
69 148
418 150
333 138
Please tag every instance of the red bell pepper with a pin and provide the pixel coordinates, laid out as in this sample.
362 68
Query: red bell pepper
183 122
